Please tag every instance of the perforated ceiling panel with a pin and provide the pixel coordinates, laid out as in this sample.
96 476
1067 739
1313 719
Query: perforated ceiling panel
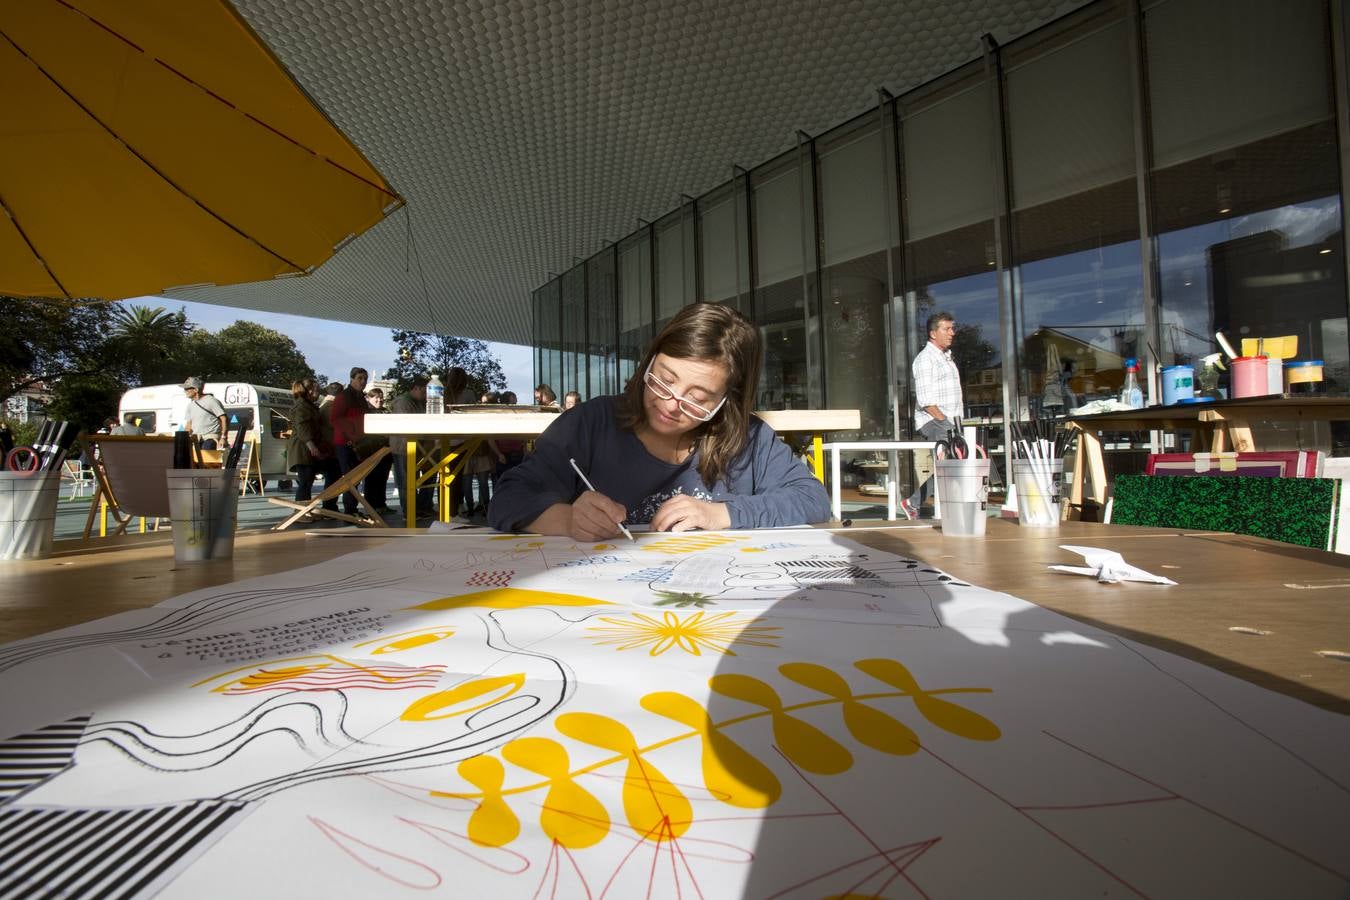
526 134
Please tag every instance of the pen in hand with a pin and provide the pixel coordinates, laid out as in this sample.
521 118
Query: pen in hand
586 481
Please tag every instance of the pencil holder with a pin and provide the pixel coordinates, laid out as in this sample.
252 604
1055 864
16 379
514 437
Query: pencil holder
1038 491
203 508
28 514
963 490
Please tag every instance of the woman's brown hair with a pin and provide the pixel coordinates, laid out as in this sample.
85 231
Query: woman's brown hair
715 333
301 388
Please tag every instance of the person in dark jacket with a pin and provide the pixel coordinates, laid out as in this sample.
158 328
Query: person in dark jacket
309 450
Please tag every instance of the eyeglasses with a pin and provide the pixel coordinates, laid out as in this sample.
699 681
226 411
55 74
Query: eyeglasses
687 406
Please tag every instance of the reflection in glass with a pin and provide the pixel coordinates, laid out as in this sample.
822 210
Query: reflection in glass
949 181
855 283
780 292
1077 266
635 302
602 352
1246 189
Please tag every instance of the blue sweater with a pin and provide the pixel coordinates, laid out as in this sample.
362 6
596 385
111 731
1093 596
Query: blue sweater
765 485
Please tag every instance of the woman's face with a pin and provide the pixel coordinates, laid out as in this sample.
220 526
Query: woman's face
698 381
569 401
312 392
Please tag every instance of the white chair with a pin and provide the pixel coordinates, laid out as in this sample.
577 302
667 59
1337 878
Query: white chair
80 478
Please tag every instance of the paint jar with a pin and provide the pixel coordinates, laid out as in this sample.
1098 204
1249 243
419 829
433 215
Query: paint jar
1304 376
203 510
1250 376
963 492
28 513
1178 383
1038 491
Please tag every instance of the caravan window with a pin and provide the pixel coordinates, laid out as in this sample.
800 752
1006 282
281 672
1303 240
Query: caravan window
237 417
146 419
279 425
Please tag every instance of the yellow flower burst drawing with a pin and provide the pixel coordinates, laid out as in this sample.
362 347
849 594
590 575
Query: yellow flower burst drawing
691 633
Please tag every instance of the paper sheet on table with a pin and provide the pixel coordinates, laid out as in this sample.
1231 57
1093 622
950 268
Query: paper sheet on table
1108 567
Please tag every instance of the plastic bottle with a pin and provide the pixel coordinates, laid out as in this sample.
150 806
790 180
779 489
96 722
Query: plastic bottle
435 396
1130 394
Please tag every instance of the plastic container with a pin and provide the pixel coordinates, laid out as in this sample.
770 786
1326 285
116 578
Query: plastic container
203 510
28 514
1178 383
1275 376
963 490
435 396
1304 376
1039 484
1131 394
1251 376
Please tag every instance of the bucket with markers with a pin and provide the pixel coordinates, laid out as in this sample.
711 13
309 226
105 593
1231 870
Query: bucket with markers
28 513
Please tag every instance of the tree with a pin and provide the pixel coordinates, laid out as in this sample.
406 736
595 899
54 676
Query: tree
971 352
87 400
44 341
149 340
420 353
244 351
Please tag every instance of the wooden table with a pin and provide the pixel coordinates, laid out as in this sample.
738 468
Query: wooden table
473 425
1225 581
812 423
459 434
1220 425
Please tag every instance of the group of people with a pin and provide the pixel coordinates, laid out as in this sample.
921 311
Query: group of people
328 438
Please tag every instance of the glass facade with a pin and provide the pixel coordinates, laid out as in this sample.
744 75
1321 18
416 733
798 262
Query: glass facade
1125 181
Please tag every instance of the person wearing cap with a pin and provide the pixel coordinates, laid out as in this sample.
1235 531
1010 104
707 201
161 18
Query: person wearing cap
205 415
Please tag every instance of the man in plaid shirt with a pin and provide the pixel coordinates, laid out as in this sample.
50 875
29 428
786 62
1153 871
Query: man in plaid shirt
937 388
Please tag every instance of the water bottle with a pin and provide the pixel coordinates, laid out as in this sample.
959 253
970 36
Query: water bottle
435 396
1130 395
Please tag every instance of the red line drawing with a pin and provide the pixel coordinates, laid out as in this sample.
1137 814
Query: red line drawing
430 882
491 578
480 854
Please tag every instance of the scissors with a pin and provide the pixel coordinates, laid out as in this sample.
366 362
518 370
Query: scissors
955 446
32 460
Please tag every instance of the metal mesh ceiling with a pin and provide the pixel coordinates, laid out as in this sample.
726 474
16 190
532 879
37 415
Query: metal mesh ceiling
527 133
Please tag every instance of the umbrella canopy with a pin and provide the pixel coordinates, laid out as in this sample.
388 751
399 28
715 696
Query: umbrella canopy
158 143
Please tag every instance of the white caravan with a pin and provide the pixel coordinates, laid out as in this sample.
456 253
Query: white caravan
162 409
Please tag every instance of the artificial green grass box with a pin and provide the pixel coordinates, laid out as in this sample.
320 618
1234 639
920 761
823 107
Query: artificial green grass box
1291 510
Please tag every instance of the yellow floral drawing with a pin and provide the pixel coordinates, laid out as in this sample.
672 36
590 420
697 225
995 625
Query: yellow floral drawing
692 633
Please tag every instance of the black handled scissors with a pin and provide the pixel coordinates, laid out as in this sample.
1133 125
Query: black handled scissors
953 446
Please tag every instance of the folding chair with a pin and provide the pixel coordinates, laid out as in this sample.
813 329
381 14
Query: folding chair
130 475
81 479
250 467
349 483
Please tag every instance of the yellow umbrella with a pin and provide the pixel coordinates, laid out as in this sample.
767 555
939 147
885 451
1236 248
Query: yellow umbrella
150 144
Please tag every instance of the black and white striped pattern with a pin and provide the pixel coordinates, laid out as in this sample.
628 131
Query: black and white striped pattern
29 759
104 853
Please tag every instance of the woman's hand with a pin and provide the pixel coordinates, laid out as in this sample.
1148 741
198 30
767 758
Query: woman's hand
595 517
683 513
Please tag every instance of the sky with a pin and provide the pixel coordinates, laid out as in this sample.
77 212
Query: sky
333 348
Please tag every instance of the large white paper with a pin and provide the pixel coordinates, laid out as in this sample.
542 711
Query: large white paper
742 714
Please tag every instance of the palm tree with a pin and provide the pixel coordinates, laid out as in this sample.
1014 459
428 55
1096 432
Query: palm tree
148 338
